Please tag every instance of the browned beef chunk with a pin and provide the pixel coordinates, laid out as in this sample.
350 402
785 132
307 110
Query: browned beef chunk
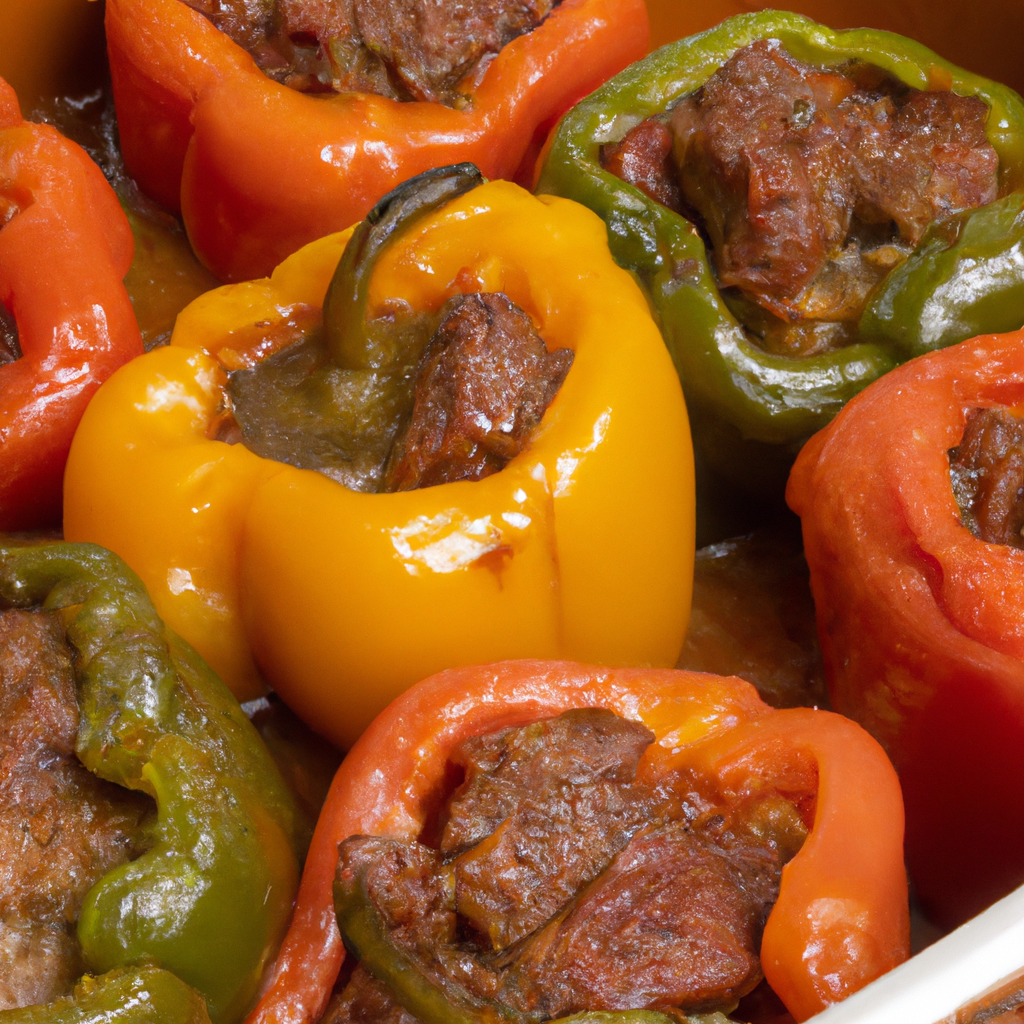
412 889
987 471
407 884
676 920
791 168
482 386
666 913
61 828
760 161
403 49
513 881
364 1000
579 747
10 349
248 22
644 159
547 806
920 158
430 45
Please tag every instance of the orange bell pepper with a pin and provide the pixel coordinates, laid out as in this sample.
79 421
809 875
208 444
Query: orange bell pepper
582 546
920 620
65 247
841 918
258 169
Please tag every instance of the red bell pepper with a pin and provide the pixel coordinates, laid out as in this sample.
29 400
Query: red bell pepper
258 169
65 247
841 918
920 620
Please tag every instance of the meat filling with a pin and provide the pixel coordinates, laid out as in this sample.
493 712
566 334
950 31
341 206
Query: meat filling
483 385
294 405
568 780
465 400
10 348
569 877
402 49
61 828
644 159
810 184
675 920
987 473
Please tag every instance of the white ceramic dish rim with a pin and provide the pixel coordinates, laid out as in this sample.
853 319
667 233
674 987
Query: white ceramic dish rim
947 976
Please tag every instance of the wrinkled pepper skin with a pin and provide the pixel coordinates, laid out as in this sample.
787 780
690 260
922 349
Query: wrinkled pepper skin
920 621
139 995
812 956
259 170
211 895
65 247
752 411
584 541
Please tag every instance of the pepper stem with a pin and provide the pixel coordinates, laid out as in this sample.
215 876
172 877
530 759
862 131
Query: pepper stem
346 301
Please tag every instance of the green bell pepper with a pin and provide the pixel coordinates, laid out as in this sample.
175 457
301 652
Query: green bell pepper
965 278
752 411
141 995
210 897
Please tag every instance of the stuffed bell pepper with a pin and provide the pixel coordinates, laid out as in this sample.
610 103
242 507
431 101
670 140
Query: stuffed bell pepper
534 841
146 837
912 515
66 322
272 123
805 209
450 436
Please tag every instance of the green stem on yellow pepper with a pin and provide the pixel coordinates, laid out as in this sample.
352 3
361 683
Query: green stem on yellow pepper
346 301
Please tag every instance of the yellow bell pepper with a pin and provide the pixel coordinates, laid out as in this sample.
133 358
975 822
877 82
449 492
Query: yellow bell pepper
581 547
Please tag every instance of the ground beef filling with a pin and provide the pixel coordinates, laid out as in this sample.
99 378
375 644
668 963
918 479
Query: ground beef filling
987 473
403 49
809 184
472 388
10 348
568 877
61 828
